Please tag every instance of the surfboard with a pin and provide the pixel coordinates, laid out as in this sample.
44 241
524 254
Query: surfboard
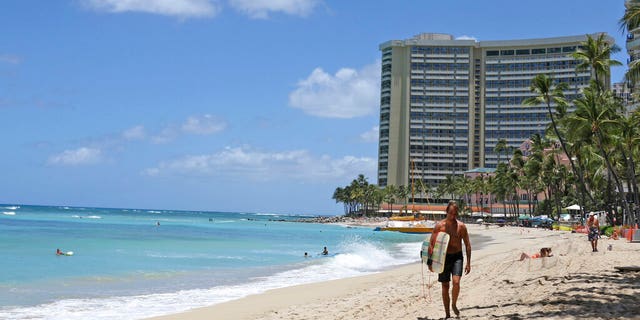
439 251
69 253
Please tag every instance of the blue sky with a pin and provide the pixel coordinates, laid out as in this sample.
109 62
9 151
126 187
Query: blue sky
221 105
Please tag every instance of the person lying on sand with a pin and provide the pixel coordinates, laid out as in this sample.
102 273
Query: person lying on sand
544 252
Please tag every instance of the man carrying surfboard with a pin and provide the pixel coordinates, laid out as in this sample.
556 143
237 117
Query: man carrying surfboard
454 260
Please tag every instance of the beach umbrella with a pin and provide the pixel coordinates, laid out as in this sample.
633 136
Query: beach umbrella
573 207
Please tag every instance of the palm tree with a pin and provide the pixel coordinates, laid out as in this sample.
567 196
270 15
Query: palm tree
547 93
532 170
517 177
340 196
500 147
630 144
553 179
595 116
499 187
595 55
448 186
389 197
403 192
631 18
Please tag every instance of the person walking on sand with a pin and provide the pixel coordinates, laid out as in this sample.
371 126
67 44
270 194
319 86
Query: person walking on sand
453 263
594 231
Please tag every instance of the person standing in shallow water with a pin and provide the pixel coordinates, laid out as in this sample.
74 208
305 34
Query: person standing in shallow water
453 263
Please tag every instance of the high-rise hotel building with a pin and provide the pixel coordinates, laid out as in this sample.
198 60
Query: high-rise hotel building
633 49
445 103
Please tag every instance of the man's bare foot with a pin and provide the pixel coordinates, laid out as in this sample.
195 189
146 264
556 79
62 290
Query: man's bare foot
456 311
447 316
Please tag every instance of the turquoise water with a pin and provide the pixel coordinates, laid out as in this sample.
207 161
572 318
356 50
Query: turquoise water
131 264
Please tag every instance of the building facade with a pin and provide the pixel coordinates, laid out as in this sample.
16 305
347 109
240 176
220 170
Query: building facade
445 103
633 50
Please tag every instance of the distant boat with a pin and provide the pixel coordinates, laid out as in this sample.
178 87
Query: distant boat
408 224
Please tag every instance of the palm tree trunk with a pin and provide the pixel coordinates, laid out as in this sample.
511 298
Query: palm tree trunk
529 197
633 181
573 166
614 174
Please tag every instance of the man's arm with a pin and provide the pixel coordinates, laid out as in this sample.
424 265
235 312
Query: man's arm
432 243
432 240
467 245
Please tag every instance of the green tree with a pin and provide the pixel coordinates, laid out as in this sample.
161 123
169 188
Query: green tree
595 55
390 196
501 146
596 117
546 93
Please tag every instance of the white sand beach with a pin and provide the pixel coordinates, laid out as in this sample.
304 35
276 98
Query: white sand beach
573 284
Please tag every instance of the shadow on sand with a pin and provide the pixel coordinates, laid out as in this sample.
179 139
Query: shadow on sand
593 296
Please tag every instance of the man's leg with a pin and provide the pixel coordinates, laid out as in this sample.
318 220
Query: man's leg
454 294
445 298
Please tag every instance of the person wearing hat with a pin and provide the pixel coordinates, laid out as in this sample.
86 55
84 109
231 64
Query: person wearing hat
594 231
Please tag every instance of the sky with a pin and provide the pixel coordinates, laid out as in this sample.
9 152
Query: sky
221 105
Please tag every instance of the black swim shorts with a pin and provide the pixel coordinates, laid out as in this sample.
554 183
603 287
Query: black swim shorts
452 266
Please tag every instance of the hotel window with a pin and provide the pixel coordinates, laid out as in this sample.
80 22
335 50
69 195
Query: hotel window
493 53
506 52
520 52
539 51
568 49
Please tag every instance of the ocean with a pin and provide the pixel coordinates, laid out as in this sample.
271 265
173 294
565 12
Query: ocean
134 263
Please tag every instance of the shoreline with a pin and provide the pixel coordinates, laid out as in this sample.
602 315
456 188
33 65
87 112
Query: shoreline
574 283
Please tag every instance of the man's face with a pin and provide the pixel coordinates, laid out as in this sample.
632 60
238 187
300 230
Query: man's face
452 213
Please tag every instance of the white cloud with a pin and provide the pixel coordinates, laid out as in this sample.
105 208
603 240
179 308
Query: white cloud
372 135
134 133
200 125
179 8
10 59
347 94
204 125
250 164
166 135
80 156
465 37
260 9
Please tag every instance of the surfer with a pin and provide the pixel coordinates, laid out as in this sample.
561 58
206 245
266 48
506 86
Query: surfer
58 252
454 260
325 251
